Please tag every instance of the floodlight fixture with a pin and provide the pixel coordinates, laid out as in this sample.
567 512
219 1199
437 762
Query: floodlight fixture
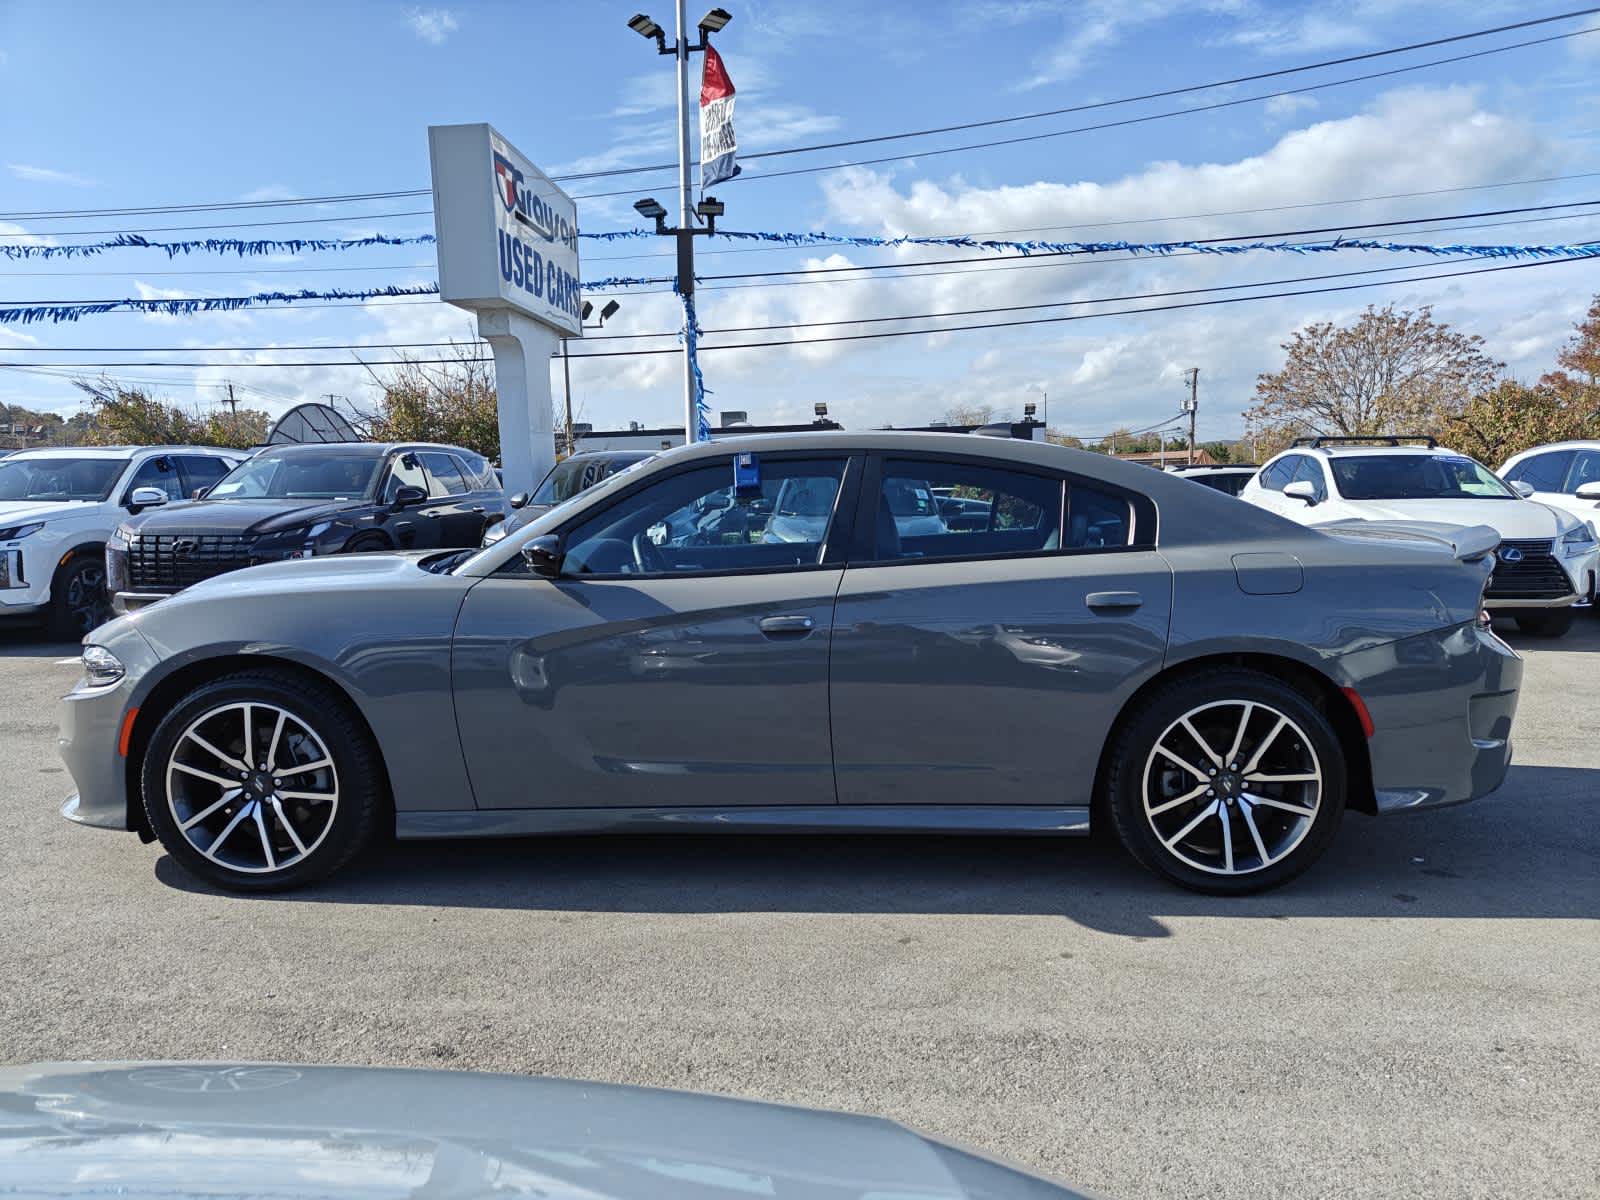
649 208
715 21
643 25
587 309
609 311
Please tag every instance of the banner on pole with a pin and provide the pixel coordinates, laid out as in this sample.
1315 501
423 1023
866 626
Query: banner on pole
718 146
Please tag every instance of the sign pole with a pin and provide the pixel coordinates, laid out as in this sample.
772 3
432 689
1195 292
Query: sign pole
685 239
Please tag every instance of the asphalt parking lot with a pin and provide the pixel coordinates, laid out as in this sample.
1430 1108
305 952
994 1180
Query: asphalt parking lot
1417 1017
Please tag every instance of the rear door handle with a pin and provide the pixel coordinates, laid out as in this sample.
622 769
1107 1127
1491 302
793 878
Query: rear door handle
787 626
1113 600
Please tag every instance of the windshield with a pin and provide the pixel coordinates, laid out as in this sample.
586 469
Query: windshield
567 479
59 478
300 477
1416 477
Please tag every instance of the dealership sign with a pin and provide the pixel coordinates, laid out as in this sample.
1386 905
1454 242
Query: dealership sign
508 236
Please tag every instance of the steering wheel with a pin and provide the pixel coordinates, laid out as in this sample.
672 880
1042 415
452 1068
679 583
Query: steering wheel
646 556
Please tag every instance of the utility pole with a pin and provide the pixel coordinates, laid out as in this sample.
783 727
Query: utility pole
709 209
233 405
1192 406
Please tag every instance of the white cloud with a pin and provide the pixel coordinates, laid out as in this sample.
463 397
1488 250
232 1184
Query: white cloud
47 175
272 191
1280 107
432 25
1588 44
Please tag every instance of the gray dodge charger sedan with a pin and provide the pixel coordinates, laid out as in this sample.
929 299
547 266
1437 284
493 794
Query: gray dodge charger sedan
1092 641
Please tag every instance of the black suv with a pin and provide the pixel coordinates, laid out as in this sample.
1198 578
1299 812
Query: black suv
300 501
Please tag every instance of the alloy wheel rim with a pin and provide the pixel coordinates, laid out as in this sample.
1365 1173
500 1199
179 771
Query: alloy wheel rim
1232 787
252 787
86 597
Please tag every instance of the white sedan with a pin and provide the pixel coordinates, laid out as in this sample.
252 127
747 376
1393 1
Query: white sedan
1547 559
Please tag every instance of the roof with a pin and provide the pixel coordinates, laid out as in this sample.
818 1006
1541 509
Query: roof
1341 451
117 451
1179 470
371 449
1569 444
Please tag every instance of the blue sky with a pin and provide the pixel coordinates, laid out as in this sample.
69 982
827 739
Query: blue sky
111 105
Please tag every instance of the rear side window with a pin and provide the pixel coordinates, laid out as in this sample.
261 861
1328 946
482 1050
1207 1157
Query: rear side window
931 509
1276 475
1096 519
1543 472
444 477
478 473
202 470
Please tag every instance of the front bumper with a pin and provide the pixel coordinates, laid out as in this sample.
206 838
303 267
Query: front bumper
24 578
1442 705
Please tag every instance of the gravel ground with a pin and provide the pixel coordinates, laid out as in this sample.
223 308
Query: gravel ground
1414 1018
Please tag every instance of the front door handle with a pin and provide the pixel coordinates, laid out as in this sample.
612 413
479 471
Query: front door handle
1123 600
787 626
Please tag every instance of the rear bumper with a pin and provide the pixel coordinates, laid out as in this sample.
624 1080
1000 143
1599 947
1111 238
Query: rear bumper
1442 706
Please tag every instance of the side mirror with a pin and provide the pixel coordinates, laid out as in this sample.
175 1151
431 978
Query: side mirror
1526 489
407 496
1588 491
1301 489
147 497
543 556
520 500
199 493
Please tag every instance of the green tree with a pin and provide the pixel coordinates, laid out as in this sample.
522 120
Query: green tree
454 403
1511 417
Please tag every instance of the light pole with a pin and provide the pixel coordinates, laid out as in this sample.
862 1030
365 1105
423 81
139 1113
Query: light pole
708 210
606 313
713 22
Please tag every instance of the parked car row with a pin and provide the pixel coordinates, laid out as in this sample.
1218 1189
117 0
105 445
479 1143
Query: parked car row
1544 503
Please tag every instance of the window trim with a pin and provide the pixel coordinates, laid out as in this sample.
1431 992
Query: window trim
1141 510
835 543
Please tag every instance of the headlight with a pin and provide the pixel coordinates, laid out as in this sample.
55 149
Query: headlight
494 533
101 667
20 531
1577 542
120 537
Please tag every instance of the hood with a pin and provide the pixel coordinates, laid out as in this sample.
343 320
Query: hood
20 512
1509 518
241 516
208 1129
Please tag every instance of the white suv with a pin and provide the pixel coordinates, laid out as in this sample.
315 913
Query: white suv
1546 561
57 507
1564 475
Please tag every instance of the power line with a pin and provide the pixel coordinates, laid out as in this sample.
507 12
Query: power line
852 337
878 138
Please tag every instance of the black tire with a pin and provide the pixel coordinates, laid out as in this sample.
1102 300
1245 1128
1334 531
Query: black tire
367 543
356 777
1224 692
1548 622
78 600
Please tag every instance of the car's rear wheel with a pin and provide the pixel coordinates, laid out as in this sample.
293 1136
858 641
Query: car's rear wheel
1549 622
262 781
78 600
1228 782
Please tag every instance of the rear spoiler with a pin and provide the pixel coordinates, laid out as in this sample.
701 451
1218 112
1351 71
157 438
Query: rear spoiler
1465 543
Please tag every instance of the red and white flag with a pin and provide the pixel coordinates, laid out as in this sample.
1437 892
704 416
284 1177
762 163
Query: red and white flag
718 147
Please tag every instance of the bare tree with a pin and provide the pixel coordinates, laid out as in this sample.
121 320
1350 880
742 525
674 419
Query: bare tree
1388 372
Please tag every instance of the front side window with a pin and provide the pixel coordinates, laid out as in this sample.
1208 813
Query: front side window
1542 472
698 521
1310 471
160 473
405 471
1585 469
53 478
444 477
1276 475
933 509
299 477
1416 477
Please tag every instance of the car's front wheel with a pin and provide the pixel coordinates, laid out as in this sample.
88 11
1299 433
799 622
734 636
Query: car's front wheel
262 781
1228 781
